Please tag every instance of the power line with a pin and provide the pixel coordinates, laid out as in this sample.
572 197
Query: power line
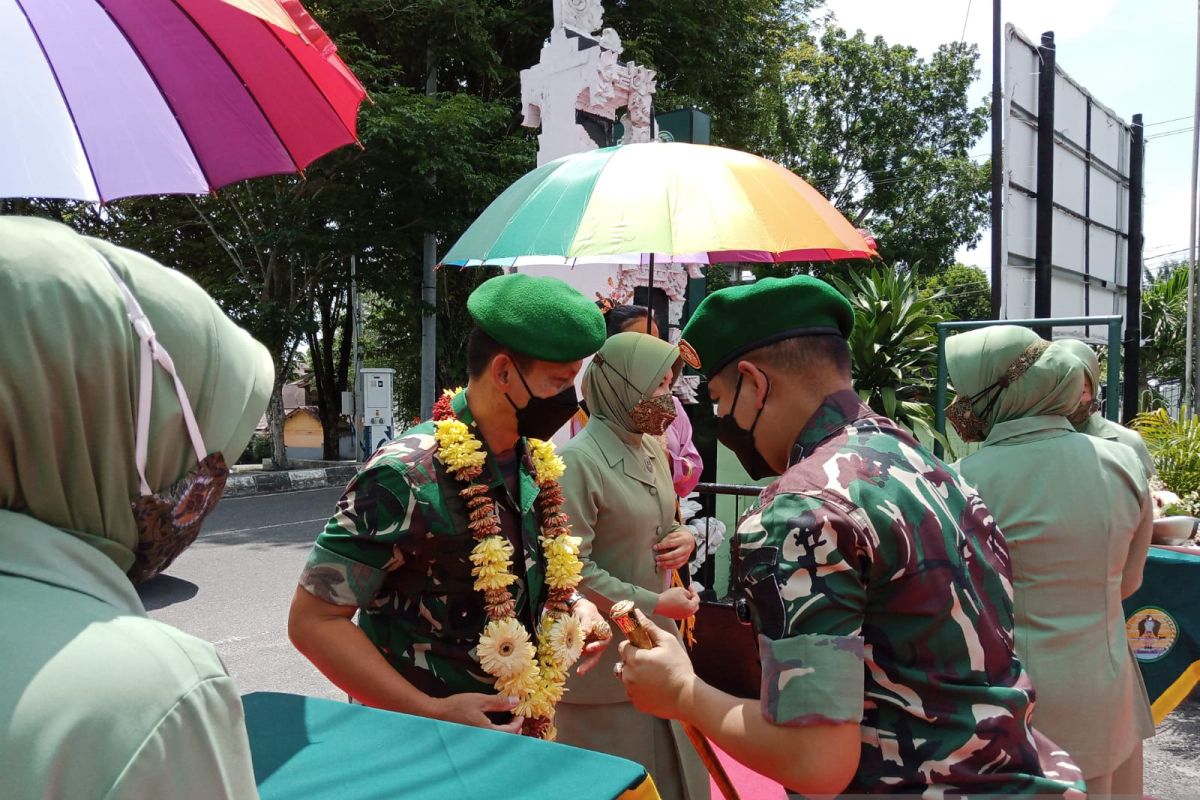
1170 253
1175 132
967 18
1177 119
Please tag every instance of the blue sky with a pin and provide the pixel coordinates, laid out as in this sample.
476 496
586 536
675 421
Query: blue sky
1135 56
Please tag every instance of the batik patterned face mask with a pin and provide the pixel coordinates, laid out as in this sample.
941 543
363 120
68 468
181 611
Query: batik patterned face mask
650 415
654 414
1083 413
168 521
971 427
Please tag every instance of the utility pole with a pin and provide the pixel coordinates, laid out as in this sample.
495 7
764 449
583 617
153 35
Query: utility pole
1044 230
429 288
1133 282
1189 392
997 166
355 334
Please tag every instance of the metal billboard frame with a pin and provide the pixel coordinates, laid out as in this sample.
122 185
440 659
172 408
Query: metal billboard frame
1095 212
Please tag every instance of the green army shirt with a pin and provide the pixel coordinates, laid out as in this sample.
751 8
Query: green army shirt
880 589
398 548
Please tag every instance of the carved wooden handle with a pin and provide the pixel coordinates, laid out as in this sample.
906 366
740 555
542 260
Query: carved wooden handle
622 615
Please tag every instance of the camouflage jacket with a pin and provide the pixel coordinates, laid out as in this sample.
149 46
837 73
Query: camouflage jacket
398 548
880 589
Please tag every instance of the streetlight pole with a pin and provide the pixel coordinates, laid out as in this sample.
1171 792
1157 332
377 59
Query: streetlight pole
1189 391
997 166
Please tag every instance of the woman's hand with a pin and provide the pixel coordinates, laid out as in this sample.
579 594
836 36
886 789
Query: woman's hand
674 550
678 602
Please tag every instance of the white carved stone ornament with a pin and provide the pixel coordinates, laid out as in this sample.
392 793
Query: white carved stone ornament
582 16
578 75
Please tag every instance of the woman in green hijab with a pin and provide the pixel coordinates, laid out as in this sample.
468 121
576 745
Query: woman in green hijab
124 390
1087 417
1076 513
621 501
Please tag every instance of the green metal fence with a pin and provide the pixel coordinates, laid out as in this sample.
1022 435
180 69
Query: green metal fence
1113 388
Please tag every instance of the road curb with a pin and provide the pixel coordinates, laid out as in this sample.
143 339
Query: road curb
293 480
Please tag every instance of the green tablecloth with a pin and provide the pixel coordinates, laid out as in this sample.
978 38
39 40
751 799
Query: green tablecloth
1163 626
305 748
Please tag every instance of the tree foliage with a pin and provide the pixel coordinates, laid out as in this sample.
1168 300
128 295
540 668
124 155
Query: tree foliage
959 292
893 346
1164 325
882 132
887 136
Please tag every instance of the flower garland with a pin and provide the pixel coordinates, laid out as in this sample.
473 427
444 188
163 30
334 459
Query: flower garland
533 673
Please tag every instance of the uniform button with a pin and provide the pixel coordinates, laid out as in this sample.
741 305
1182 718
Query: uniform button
653 490
658 530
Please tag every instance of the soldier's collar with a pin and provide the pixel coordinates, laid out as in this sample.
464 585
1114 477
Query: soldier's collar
831 416
458 404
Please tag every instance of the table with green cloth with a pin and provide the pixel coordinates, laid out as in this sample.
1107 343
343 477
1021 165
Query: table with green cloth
1162 622
307 748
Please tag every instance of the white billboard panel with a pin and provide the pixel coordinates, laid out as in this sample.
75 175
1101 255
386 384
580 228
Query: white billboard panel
1091 195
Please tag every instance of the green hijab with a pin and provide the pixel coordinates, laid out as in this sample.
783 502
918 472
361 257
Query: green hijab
642 360
70 360
978 359
1087 356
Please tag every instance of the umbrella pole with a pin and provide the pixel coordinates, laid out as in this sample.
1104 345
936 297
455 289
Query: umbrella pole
650 296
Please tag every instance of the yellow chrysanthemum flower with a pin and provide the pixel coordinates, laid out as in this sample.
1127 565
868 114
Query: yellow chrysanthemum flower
546 463
458 449
505 649
537 703
563 567
492 558
560 546
566 641
521 683
488 577
451 392
495 550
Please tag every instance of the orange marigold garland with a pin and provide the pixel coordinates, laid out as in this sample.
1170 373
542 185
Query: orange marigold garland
533 672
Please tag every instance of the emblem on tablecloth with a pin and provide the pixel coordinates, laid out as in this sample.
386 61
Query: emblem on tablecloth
1151 632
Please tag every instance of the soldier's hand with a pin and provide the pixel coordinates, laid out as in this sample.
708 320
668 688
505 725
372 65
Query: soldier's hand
674 550
656 678
588 615
472 709
678 602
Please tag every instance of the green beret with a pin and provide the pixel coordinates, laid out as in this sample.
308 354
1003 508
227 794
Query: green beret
732 322
543 318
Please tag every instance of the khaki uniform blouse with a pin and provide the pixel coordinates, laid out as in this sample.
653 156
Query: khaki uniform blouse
620 497
1075 510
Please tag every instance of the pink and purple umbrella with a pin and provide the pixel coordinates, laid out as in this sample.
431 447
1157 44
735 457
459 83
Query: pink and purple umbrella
102 99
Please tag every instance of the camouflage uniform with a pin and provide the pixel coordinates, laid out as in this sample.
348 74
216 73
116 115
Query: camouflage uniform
880 589
398 548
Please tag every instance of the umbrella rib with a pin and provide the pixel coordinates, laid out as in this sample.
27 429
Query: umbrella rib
315 85
200 29
158 87
66 103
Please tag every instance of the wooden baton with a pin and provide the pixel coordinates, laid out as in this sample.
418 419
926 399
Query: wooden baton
624 617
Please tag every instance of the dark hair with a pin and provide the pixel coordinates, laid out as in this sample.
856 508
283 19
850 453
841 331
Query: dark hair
616 318
801 354
482 348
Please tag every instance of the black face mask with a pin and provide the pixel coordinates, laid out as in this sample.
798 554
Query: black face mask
543 416
741 441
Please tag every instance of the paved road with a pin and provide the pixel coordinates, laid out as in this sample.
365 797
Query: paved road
234 585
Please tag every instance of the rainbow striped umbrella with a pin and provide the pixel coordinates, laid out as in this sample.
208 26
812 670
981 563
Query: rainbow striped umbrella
104 99
673 201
